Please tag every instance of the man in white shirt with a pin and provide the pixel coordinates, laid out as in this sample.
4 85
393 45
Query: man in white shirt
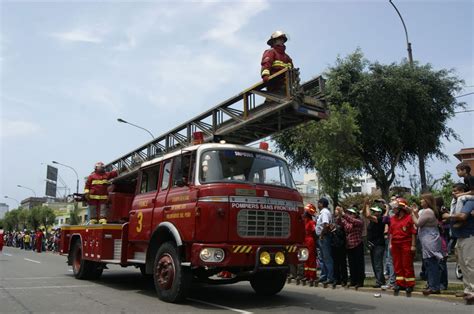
323 232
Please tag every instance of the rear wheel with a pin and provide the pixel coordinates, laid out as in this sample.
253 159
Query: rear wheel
84 269
172 280
267 283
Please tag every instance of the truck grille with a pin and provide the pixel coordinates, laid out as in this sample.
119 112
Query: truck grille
260 223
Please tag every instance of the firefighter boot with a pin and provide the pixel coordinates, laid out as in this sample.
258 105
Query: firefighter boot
409 291
298 280
311 283
303 281
396 290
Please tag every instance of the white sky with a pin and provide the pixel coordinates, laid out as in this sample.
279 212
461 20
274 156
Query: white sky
69 69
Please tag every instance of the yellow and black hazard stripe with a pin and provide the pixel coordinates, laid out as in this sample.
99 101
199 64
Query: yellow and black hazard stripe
291 248
241 249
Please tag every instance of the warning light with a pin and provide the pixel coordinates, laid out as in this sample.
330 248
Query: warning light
263 145
198 138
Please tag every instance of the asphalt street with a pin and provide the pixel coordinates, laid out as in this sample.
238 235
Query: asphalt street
43 283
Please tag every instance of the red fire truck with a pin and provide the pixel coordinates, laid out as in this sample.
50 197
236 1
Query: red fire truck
191 205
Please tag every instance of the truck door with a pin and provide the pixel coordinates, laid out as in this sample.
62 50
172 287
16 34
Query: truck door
141 214
182 196
163 188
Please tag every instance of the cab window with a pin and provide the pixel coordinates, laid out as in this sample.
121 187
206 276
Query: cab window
166 175
149 181
182 169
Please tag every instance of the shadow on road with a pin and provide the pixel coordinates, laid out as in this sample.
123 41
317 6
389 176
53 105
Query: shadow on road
239 296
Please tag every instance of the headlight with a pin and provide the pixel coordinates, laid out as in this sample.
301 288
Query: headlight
265 258
212 255
279 258
219 255
303 254
205 254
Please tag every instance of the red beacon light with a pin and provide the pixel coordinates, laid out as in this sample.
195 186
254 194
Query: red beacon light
263 145
198 138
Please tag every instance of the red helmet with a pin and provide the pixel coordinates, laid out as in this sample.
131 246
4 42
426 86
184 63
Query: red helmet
402 202
310 209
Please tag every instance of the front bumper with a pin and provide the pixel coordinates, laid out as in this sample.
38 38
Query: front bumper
246 255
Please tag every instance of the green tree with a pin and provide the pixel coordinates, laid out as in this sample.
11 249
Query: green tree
444 189
74 215
11 220
34 219
431 103
389 112
47 217
318 145
23 218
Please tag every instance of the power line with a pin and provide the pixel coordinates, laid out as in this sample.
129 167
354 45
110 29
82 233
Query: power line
464 111
464 95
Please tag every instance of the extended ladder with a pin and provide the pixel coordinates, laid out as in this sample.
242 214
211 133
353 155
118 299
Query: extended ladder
240 120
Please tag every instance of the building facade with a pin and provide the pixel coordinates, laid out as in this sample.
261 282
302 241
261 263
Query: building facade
3 210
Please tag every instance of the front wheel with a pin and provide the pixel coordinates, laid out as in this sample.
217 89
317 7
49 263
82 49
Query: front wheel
172 280
267 283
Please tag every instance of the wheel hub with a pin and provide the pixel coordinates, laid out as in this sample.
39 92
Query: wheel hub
165 272
76 265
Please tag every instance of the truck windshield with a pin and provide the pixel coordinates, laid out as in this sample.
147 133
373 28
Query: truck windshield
226 165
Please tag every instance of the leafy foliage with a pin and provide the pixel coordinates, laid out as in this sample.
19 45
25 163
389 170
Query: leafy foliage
401 113
326 145
18 219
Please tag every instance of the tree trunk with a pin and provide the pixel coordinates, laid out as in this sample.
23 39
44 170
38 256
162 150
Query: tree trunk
421 161
385 188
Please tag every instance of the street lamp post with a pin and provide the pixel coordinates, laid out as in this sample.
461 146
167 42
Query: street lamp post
77 176
123 121
21 186
18 203
410 56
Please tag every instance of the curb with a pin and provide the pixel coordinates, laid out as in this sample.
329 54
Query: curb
417 294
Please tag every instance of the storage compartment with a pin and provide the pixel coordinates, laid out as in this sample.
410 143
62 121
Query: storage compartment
120 205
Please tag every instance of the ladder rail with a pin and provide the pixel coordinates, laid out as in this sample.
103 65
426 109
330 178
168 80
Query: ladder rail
223 116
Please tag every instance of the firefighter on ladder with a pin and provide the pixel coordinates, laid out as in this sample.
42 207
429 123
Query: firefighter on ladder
310 242
96 194
274 60
402 246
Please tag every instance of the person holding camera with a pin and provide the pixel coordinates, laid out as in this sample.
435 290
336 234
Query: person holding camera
376 238
352 224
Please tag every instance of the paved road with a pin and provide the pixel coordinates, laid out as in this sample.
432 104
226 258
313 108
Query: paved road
43 283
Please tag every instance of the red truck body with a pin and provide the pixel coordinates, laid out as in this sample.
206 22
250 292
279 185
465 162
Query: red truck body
194 214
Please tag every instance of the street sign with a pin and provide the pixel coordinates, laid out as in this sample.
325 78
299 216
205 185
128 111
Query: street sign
50 189
52 173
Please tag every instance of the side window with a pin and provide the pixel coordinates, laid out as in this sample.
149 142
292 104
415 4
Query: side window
182 169
149 182
166 175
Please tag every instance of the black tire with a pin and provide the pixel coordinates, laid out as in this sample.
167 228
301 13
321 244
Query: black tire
81 268
458 272
172 280
142 268
268 283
